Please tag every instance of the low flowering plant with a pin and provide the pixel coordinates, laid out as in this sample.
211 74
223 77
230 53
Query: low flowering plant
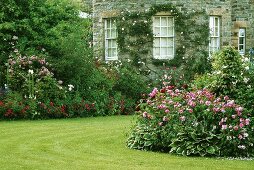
192 123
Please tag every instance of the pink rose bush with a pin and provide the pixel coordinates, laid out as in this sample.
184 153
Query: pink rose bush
192 123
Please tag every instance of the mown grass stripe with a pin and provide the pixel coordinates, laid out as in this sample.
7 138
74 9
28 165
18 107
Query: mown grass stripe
89 143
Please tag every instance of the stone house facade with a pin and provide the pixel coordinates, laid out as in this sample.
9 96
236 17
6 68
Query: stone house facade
231 22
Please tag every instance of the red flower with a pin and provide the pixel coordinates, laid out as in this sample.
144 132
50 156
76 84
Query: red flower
51 104
163 90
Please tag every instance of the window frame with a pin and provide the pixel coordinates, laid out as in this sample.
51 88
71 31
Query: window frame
109 39
214 35
171 38
244 41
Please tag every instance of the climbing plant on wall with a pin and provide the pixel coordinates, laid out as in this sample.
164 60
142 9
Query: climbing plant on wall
135 38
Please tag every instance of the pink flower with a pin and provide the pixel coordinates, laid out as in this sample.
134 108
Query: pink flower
233 116
222 110
182 118
239 109
208 103
160 123
241 125
223 127
190 110
180 111
215 109
165 119
162 106
153 93
226 98
235 128
247 121
240 136
145 114
166 111
191 103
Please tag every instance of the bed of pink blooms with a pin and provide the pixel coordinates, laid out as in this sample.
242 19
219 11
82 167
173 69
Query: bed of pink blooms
229 121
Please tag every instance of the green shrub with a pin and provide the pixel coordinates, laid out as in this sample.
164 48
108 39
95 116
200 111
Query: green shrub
231 75
192 123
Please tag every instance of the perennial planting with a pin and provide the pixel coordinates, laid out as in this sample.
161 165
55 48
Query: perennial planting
192 123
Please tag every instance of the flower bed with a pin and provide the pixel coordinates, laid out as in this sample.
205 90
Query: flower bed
192 123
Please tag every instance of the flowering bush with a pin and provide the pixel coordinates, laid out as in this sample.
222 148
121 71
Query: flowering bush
30 76
231 76
192 123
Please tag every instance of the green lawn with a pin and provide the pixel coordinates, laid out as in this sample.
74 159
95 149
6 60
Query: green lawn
89 143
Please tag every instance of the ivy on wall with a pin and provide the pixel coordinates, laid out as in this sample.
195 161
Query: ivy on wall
135 38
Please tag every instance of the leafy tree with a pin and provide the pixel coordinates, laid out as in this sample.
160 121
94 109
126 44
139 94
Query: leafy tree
46 27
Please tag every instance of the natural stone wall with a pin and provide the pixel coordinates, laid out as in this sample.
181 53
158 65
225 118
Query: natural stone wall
234 14
243 17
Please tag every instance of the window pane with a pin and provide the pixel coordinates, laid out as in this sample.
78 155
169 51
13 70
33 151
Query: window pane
163 21
171 31
171 51
216 22
113 43
156 51
109 52
157 42
170 42
216 31
241 40
113 34
163 51
240 47
114 52
164 31
163 42
108 33
156 21
170 21
157 31
242 33
108 23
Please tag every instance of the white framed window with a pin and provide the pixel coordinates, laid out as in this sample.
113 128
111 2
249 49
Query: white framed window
164 37
241 41
214 26
110 39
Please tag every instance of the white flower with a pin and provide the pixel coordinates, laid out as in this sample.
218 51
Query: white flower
242 147
15 37
246 80
70 87
245 59
247 68
245 135
30 71
229 138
